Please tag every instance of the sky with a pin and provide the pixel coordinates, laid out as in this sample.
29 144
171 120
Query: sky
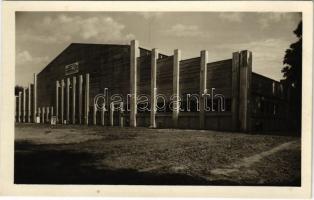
41 36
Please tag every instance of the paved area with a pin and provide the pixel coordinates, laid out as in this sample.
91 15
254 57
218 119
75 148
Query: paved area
59 154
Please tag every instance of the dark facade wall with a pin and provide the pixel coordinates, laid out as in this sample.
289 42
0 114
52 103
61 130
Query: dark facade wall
220 121
267 87
165 77
108 66
190 76
144 75
269 104
219 76
113 73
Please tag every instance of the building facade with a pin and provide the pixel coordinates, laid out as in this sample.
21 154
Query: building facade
126 85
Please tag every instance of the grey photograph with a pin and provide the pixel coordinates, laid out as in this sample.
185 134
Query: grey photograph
158 98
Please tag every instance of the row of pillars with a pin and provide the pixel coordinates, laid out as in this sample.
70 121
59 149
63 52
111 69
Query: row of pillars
67 88
111 115
45 114
63 111
26 103
175 86
241 81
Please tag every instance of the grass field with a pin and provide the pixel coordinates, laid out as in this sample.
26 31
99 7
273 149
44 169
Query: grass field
68 154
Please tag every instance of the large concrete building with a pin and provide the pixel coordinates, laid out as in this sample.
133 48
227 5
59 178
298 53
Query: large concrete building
222 95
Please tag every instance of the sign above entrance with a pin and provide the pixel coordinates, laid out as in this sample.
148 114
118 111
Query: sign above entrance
72 68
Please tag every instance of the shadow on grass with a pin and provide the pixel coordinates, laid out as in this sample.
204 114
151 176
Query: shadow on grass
37 164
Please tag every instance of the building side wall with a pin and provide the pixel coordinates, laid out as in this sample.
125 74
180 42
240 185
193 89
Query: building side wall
219 76
269 106
108 66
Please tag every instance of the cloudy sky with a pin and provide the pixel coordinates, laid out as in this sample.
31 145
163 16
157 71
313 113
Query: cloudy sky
41 36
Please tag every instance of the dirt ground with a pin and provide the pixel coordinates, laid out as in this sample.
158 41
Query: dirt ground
75 154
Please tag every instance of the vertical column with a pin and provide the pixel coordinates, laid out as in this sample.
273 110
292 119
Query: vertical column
133 72
57 101
175 87
47 114
153 89
203 87
121 119
103 109
102 117
73 99
39 115
29 103
62 101
111 113
80 97
245 69
235 90
15 108
20 107
24 104
86 99
68 100
43 115
35 97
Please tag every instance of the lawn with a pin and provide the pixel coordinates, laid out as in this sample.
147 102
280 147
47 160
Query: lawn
74 154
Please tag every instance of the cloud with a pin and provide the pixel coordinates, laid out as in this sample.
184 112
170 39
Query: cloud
267 54
24 57
267 19
267 48
74 28
150 15
231 16
180 30
26 63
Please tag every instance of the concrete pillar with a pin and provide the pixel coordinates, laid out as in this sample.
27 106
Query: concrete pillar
62 102
39 114
24 104
68 100
20 107
203 87
103 117
35 98
235 90
47 114
73 99
135 53
111 110
15 109
43 115
121 119
153 89
245 69
57 101
86 99
80 97
29 105
176 89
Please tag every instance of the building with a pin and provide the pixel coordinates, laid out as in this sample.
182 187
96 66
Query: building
222 95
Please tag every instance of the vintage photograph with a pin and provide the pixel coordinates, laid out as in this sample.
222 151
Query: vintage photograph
158 98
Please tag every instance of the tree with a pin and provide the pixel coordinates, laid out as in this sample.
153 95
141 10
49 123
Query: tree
292 73
17 89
